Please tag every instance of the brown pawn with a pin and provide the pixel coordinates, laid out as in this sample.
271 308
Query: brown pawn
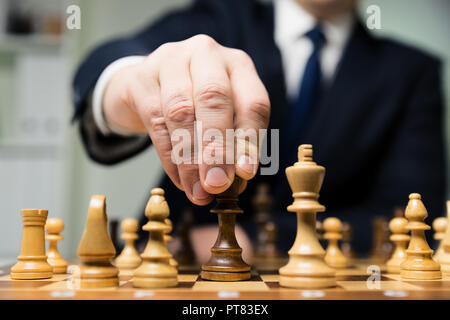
185 254
306 267
167 238
96 249
418 263
400 238
266 252
54 227
444 258
32 261
382 247
113 224
319 230
155 270
334 256
129 258
439 226
346 242
226 263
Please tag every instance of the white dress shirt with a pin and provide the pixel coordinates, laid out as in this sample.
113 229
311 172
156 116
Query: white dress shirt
292 22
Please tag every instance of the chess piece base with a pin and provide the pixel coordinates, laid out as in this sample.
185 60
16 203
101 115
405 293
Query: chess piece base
420 275
59 266
225 276
315 273
445 268
59 269
30 270
98 276
155 282
393 265
155 275
127 265
305 282
337 263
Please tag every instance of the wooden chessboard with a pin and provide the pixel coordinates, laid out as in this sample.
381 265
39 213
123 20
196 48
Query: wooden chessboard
351 285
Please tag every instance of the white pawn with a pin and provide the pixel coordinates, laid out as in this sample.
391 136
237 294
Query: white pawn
129 258
54 227
439 226
400 238
334 256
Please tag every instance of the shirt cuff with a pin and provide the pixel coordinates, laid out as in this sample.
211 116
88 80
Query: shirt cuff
100 120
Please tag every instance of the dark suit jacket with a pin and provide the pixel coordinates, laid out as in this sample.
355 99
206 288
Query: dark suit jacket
378 128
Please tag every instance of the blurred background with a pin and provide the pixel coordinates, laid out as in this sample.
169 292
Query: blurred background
42 161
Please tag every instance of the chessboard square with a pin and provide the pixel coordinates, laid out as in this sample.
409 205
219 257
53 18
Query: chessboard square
23 284
430 284
59 286
357 278
383 285
350 272
238 286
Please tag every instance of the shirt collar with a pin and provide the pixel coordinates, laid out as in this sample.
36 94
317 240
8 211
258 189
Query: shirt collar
292 22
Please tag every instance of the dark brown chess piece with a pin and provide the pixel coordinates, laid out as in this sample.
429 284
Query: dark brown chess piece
185 255
266 253
113 225
226 263
346 242
382 247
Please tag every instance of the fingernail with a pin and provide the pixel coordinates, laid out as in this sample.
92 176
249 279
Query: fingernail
216 177
246 164
198 193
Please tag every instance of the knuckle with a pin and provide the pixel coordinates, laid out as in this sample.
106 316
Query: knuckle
157 123
214 96
261 108
180 108
151 115
167 47
164 51
241 57
204 40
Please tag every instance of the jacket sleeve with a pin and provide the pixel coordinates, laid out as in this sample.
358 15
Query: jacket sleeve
203 16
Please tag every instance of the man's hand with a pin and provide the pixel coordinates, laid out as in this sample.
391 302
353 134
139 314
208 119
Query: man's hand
182 82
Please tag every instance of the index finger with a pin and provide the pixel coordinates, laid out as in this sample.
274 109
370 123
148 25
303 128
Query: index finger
252 110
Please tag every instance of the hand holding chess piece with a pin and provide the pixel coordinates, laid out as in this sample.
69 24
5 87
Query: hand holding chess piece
226 263
54 227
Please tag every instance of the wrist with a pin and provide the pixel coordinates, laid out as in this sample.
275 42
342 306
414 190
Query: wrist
111 114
